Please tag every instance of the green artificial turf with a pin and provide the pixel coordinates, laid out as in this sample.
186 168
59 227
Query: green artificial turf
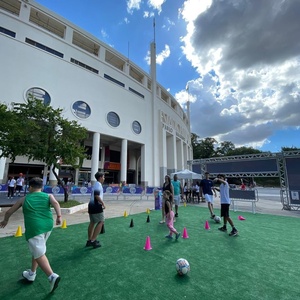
261 263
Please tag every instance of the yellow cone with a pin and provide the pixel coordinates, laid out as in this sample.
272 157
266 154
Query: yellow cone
148 211
184 204
18 232
125 214
64 224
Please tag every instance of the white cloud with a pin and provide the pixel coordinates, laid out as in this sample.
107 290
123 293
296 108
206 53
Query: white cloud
132 5
160 58
104 34
148 14
168 24
156 4
248 60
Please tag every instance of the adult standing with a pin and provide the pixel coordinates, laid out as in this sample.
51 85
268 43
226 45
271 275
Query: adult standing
20 184
167 186
95 210
207 189
178 193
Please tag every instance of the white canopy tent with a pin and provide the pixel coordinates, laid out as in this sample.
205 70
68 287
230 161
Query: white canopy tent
186 174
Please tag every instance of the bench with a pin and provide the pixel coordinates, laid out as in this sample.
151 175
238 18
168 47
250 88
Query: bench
250 196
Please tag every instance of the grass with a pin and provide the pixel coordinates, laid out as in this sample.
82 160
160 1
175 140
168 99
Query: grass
261 263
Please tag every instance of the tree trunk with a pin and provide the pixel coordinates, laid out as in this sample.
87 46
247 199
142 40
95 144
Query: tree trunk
62 184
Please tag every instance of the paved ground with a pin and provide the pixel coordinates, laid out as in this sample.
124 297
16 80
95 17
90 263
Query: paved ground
269 203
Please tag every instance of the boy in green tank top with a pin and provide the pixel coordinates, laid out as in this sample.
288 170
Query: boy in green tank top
38 222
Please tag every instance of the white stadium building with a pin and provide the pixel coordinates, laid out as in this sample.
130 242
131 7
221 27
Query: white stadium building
138 132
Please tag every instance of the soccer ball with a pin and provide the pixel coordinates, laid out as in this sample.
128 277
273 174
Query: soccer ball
217 219
182 266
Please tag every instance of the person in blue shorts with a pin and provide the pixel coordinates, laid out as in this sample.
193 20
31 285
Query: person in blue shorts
178 193
225 203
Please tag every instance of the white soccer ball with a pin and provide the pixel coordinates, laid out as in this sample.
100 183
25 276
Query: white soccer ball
182 266
217 219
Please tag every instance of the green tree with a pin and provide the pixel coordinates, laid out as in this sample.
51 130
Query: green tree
290 149
206 148
224 148
41 133
243 151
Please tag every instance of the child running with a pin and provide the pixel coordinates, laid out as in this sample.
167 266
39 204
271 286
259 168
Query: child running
170 216
38 221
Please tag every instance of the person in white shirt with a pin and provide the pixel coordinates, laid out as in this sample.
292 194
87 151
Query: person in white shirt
11 185
20 184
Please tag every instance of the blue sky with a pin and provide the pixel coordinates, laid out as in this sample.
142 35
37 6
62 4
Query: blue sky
240 59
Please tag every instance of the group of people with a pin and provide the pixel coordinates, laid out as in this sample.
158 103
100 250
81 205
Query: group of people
173 192
38 217
15 186
38 221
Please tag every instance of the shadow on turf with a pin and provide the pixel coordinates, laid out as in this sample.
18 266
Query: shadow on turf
182 279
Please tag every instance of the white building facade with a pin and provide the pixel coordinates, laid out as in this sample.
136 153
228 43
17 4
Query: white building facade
138 132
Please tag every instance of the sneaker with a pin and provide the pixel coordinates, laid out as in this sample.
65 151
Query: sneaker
176 215
162 222
177 235
168 237
96 244
54 281
233 232
223 228
89 243
213 216
26 275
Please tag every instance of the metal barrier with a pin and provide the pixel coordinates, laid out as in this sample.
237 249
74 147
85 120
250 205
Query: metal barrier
250 196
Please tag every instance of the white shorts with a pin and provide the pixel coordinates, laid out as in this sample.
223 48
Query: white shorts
177 199
209 198
37 244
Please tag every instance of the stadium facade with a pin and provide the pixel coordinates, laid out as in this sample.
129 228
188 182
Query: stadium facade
138 132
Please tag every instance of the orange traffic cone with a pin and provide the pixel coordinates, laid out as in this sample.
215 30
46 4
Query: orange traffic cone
148 244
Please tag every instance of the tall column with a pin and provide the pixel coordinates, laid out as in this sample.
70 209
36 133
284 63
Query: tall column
95 156
144 182
175 152
124 161
2 168
45 175
52 178
164 162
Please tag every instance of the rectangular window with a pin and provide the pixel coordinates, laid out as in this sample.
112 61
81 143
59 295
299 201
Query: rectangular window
136 92
8 32
12 6
42 20
43 47
114 80
76 62
85 43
